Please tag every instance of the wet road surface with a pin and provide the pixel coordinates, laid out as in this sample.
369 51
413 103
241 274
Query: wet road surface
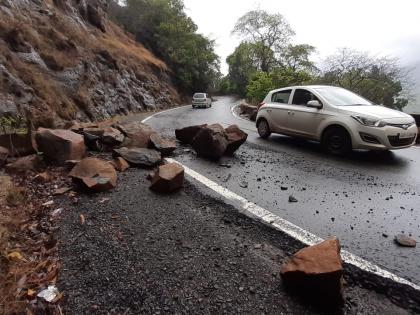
364 199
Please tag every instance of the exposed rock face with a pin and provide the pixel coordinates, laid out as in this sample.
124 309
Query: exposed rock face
163 145
187 134
137 134
210 142
141 157
60 145
4 154
236 137
316 272
94 174
81 67
168 178
30 163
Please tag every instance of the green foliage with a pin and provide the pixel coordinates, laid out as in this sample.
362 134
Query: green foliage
258 87
13 124
164 27
381 80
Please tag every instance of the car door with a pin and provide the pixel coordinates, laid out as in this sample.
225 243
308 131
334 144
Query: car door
278 108
303 120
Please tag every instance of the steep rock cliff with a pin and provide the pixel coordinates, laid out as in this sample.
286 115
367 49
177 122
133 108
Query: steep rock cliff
63 60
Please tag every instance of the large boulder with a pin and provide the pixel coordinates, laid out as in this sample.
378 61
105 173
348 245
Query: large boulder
141 157
137 134
162 144
316 272
236 137
59 145
187 134
210 142
94 174
112 136
4 154
30 163
168 178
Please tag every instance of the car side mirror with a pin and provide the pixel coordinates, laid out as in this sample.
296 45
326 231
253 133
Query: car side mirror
314 104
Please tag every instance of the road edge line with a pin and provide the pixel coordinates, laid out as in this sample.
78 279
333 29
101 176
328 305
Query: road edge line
163 111
252 210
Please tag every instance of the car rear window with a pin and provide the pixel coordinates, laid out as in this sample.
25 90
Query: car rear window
281 96
199 95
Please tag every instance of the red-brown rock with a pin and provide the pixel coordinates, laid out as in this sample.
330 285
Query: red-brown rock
168 178
43 177
236 137
136 134
405 240
112 136
59 145
120 164
210 142
139 157
162 144
94 174
316 272
4 154
187 134
30 163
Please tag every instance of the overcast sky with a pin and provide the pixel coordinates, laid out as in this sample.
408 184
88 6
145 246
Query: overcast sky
384 27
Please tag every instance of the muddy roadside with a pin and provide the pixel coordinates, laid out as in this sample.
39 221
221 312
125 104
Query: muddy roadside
139 252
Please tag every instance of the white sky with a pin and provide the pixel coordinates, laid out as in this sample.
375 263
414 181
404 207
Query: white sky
386 27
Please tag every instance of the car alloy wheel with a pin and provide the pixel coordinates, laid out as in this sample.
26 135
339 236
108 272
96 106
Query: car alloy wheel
263 129
337 141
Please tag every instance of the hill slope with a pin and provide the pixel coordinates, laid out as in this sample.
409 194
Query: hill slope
63 60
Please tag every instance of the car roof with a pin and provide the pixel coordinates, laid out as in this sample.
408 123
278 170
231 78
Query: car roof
309 87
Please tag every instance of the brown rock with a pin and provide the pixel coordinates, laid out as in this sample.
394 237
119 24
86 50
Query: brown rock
120 164
168 178
43 177
316 272
210 142
137 134
163 145
60 145
140 156
4 154
405 241
187 134
236 137
112 136
61 191
30 163
94 174
69 164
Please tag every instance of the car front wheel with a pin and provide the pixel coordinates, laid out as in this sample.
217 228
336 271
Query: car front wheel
337 141
263 129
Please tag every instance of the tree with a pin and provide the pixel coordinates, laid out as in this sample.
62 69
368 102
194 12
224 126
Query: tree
243 63
270 34
296 57
164 27
259 86
379 79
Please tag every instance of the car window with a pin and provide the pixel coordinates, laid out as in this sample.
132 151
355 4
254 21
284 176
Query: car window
342 97
199 95
302 97
281 96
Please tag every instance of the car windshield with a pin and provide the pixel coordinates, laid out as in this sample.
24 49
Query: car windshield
342 97
199 95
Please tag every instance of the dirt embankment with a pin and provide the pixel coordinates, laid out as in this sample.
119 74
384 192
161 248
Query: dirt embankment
63 60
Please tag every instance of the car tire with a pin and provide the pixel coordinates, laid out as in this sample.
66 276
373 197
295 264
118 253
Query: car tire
263 128
337 141
193 106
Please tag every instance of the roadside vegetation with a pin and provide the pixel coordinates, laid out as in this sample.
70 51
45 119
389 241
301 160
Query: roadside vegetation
164 27
267 58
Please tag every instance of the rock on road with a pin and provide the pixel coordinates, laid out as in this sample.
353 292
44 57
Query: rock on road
364 199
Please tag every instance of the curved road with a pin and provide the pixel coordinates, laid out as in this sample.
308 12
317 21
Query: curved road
364 199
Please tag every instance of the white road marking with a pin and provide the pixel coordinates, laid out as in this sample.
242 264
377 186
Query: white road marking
232 109
254 211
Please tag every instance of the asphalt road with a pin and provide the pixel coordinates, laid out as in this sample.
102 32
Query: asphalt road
364 199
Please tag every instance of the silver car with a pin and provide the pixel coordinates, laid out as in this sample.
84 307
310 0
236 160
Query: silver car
201 100
341 120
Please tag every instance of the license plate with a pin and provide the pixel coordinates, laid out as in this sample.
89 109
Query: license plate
406 135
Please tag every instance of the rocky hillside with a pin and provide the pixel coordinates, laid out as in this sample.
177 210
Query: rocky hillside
63 60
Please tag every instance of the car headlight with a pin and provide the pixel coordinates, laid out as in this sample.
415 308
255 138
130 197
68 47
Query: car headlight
371 122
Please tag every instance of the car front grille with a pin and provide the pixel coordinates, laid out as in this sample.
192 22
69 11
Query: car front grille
395 141
402 126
